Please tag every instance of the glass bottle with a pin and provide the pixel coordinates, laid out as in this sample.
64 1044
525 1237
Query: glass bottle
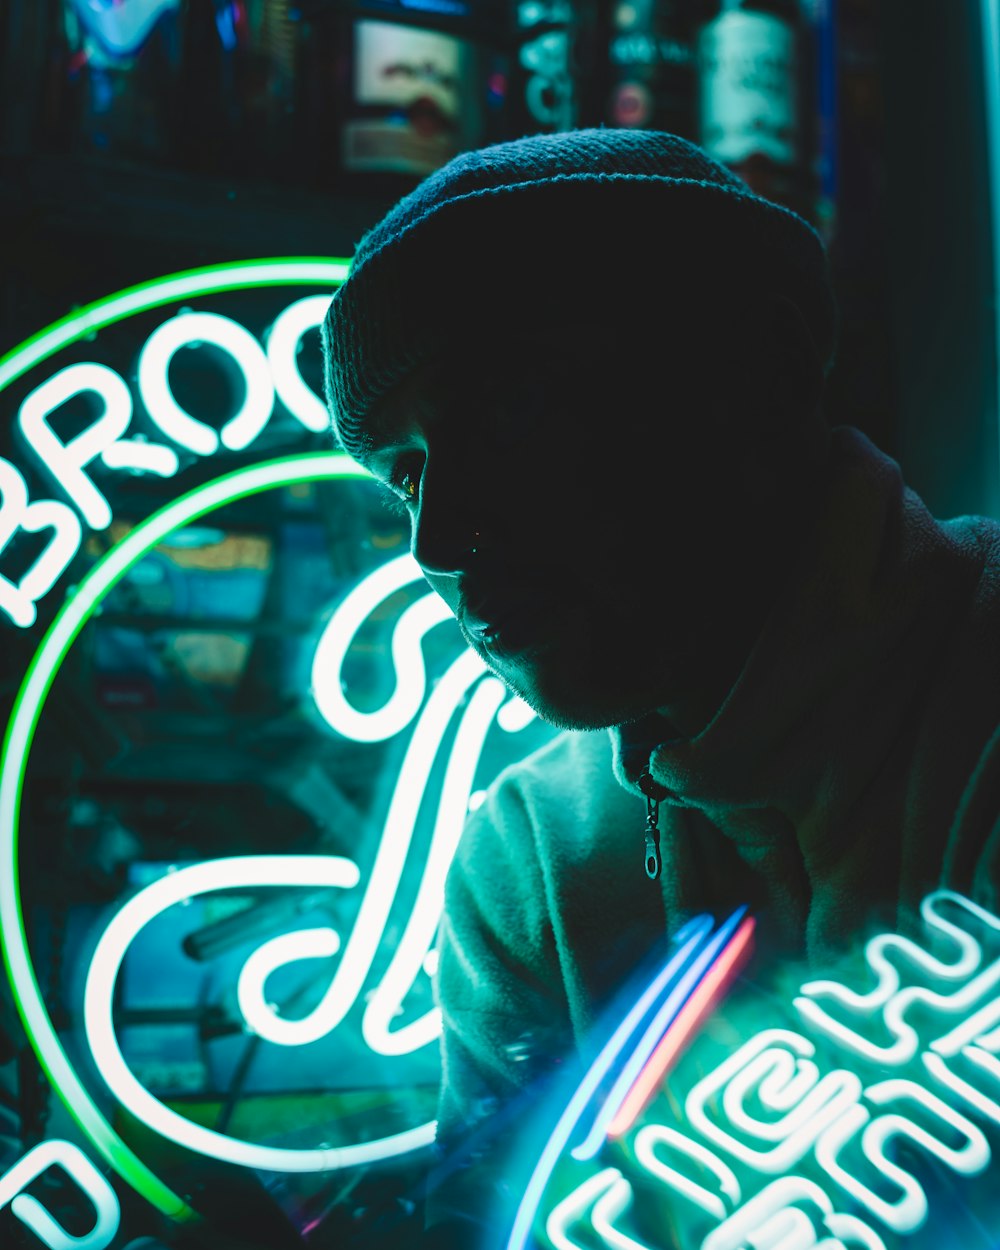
754 96
652 66
544 93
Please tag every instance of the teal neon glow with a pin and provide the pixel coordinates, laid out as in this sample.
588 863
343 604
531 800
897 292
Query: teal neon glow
141 457
13 763
239 872
63 1154
422 922
251 987
282 271
780 1062
910 1211
41 514
894 1003
652 1135
240 346
654 1033
688 940
608 1195
283 340
769 1106
66 461
407 797
775 1217
405 654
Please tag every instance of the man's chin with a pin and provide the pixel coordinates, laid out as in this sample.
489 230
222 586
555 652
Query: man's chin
572 706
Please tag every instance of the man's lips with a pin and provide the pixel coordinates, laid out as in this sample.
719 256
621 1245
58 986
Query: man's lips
489 619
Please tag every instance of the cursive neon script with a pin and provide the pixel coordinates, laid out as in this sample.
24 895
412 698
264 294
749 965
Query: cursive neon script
480 701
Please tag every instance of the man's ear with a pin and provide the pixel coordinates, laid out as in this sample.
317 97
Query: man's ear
786 434
785 365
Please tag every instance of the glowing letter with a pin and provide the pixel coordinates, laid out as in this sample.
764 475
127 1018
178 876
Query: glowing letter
646 1141
770 1218
894 1002
65 462
415 944
607 1194
777 1062
909 1213
282 345
195 329
16 513
407 660
30 1211
216 874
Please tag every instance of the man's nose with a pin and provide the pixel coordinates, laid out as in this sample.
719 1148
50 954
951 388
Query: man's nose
444 525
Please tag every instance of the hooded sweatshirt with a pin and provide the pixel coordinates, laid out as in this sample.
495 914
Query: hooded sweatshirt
853 766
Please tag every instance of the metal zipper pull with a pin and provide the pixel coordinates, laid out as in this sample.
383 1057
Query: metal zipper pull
654 860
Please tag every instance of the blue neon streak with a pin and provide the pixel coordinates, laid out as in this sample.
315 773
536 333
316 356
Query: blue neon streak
692 936
654 1033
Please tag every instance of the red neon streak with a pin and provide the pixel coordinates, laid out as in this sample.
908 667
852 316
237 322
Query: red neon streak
703 999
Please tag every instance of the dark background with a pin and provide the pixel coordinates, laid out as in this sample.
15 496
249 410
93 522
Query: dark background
207 155
912 246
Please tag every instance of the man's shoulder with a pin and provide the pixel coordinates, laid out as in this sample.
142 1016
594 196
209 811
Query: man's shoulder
563 795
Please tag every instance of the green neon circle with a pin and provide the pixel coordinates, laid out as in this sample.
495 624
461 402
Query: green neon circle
209 280
44 667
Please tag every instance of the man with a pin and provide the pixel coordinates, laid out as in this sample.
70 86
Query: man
591 366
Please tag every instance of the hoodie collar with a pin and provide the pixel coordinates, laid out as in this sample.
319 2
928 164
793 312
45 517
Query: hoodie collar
829 681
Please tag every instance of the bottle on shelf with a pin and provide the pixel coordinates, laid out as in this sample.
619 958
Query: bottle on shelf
651 57
755 95
544 89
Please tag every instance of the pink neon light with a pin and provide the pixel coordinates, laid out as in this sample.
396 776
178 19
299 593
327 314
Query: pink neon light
702 1000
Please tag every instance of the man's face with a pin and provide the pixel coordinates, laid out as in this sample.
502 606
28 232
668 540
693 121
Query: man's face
570 517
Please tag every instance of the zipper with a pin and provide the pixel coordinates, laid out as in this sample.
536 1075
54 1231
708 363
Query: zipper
654 792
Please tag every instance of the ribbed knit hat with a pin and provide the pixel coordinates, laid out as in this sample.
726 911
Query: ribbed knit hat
626 225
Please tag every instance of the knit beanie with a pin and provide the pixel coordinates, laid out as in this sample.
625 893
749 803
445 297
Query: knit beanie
622 227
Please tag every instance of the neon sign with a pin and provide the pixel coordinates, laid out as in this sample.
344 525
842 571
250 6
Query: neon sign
483 706
108 442
140 427
782 1145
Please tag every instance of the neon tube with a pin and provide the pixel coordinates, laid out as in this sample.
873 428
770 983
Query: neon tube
689 939
631 1071
282 347
422 922
236 342
218 874
700 1003
286 271
21 727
